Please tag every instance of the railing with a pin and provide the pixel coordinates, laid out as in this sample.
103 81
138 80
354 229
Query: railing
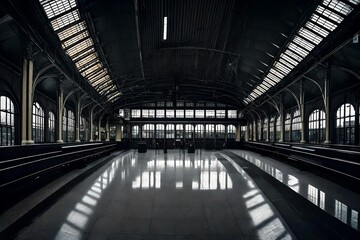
338 162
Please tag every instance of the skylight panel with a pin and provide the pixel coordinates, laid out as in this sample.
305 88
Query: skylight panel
303 43
270 81
329 14
286 63
310 36
302 52
70 31
257 92
79 47
289 59
65 20
96 74
293 55
83 62
273 77
277 73
57 7
321 31
338 6
115 96
91 69
84 53
323 22
282 68
165 29
75 39
101 80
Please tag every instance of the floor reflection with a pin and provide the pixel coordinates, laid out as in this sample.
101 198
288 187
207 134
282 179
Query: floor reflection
268 225
324 196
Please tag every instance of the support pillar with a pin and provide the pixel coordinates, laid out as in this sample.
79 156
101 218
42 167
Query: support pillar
268 130
247 132
27 86
302 112
91 124
118 133
77 119
107 130
327 105
99 129
238 133
255 131
60 108
282 119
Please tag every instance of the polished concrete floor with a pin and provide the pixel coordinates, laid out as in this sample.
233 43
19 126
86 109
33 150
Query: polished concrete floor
156 196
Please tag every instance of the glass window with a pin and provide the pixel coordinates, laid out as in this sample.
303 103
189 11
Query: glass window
170 130
148 113
135 133
199 114
169 104
7 123
242 133
51 129
38 123
189 113
231 132
71 126
199 131
210 131
160 104
112 133
210 113
170 113
296 127
220 131
179 131
259 132
232 114
345 124
272 128
135 113
189 131
148 131
287 127
265 129
160 113
220 113
160 130
179 113
317 126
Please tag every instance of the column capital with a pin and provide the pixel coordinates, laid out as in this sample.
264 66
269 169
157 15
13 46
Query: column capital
29 50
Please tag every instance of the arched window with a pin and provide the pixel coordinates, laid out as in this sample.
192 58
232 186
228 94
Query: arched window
209 131
160 130
199 131
7 123
265 129
231 132
287 127
112 133
135 132
189 131
259 132
271 130
179 131
38 123
148 131
220 131
64 124
345 124
71 126
51 129
317 126
170 131
250 131
296 127
278 129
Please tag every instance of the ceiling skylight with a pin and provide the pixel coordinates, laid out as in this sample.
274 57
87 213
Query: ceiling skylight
76 41
326 18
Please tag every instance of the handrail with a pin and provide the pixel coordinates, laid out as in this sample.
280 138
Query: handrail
60 155
24 158
46 169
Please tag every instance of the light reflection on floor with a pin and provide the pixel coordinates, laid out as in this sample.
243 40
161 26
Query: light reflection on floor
320 192
202 181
